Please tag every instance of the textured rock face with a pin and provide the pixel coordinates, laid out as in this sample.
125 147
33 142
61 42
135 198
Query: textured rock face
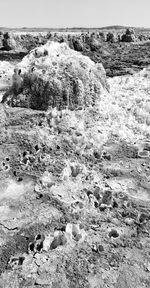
56 76
74 192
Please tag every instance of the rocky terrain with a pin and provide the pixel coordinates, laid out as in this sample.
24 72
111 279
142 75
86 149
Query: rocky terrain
121 51
75 181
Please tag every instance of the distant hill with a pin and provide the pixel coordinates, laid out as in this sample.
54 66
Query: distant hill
115 27
73 29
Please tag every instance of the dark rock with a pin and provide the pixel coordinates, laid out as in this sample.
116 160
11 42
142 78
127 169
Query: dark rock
113 233
107 197
112 37
129 36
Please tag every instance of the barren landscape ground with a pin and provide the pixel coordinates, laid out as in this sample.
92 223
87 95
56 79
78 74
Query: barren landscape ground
75 159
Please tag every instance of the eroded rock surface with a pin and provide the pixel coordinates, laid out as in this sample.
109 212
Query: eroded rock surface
74 192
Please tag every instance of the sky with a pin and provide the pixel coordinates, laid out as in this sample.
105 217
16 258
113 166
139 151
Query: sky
74 13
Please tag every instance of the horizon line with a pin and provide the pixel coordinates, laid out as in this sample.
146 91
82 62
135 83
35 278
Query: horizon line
75 27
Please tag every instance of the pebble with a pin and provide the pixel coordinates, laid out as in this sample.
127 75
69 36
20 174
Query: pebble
37 188
143 154
129 221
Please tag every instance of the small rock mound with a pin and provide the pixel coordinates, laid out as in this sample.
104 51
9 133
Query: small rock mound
56 76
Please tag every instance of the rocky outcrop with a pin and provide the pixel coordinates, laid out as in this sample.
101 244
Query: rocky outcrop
109 47
1 40
56 76
129 36
9 42
28 41
112 37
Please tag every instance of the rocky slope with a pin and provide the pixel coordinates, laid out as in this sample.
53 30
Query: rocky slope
74 191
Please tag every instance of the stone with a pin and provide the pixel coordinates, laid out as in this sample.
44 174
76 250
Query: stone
129 221
143 154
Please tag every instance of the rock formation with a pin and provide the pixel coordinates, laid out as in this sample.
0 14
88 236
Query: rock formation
9 42
129 36
56 76
112 37
1 40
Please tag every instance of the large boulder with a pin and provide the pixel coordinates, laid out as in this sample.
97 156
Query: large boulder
56 76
